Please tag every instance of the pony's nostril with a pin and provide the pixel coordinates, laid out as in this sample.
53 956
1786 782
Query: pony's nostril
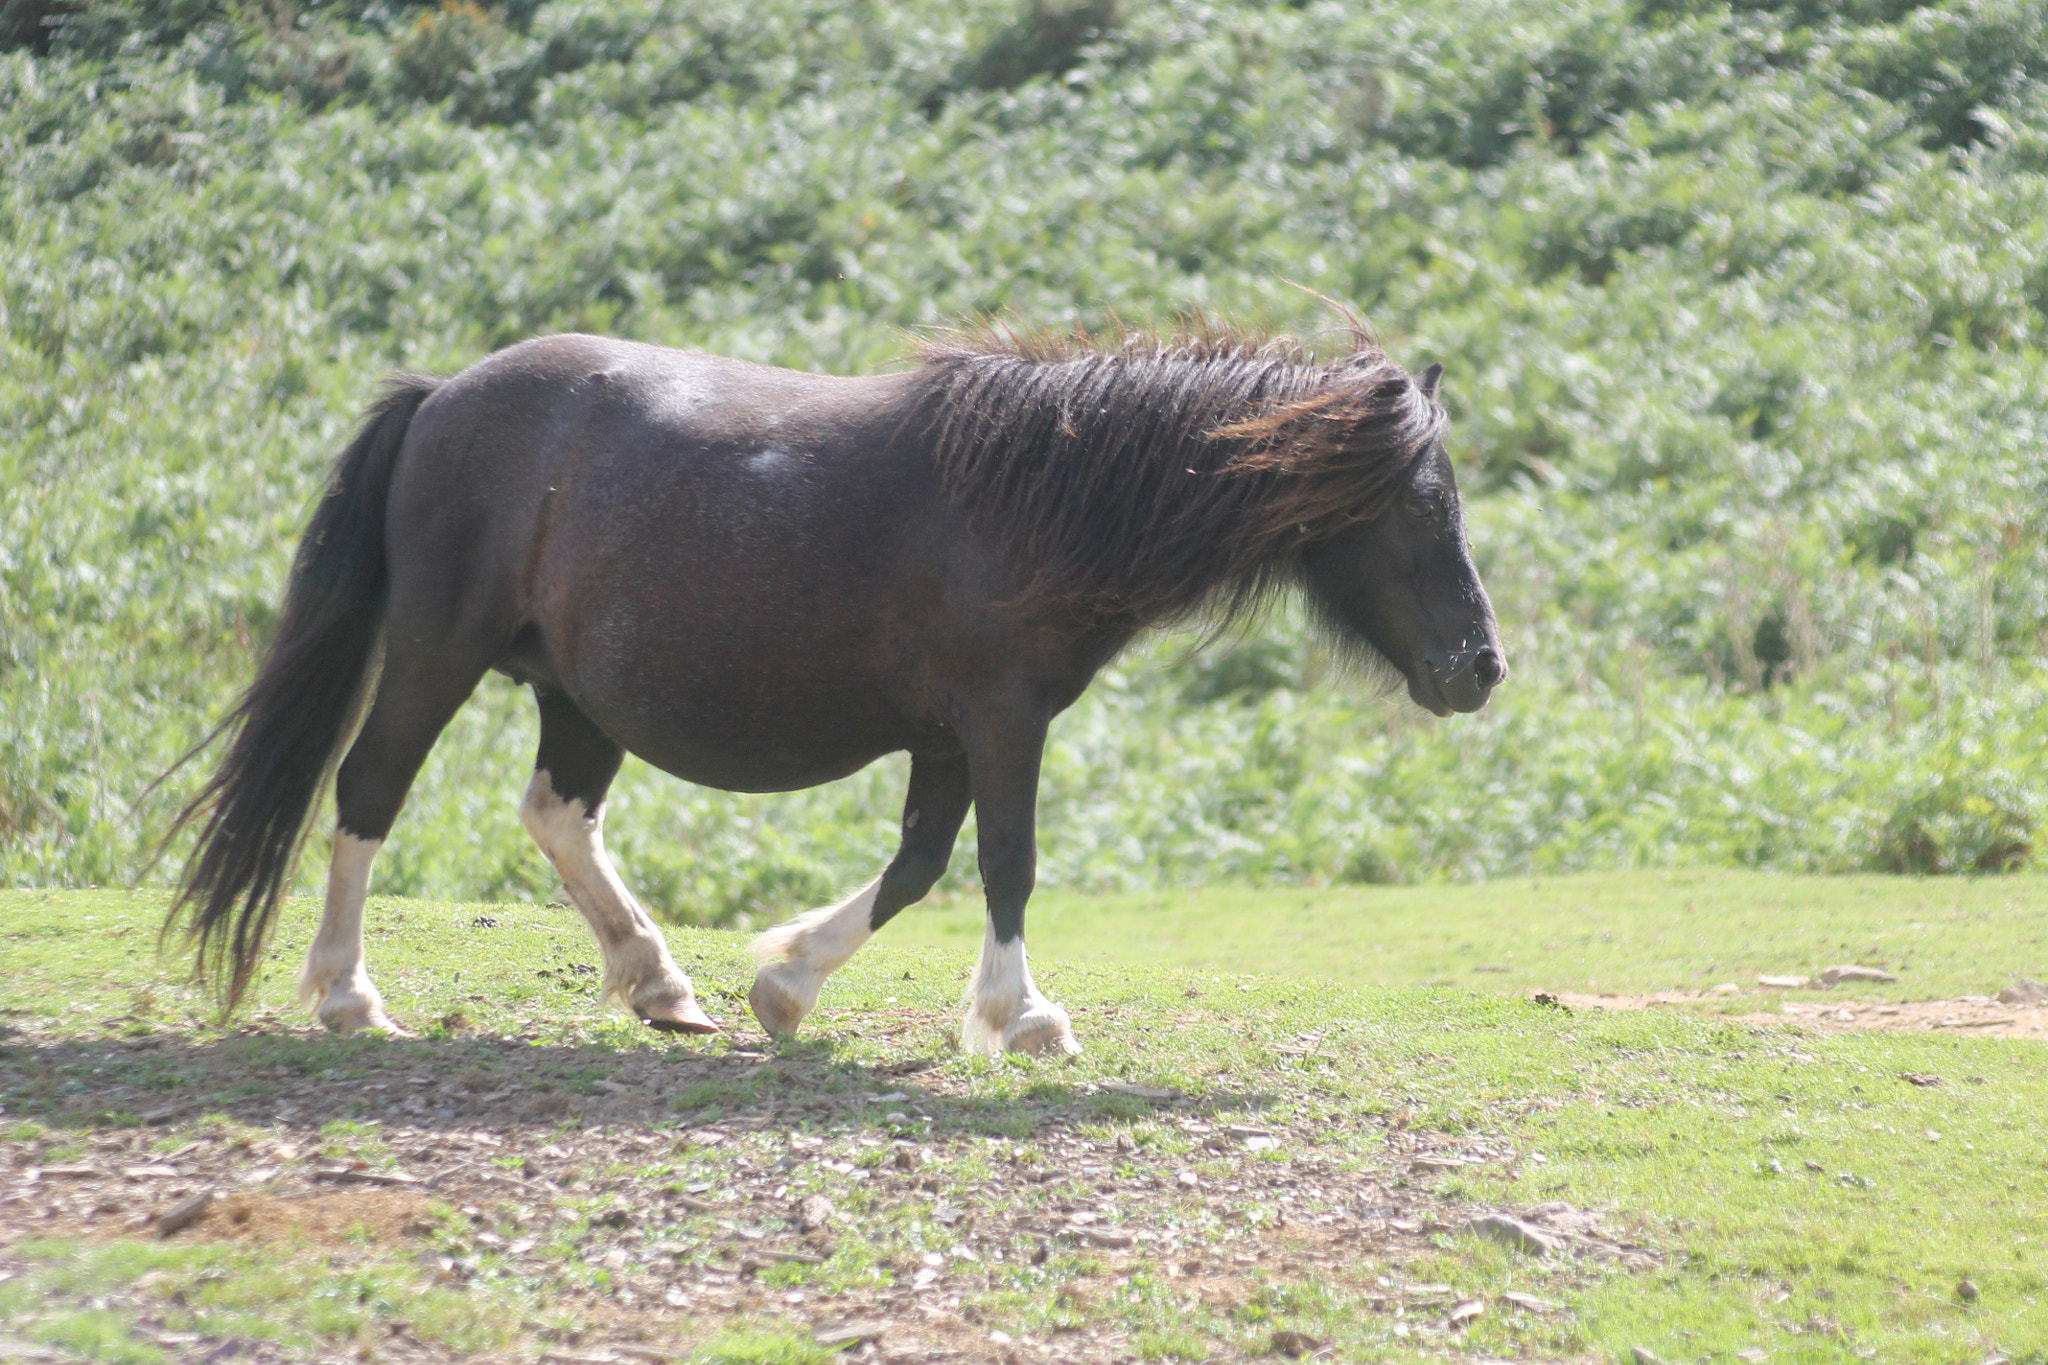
1488 668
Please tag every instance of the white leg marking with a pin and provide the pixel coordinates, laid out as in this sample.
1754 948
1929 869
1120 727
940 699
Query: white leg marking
796 958
1006 1012
334 984
638 971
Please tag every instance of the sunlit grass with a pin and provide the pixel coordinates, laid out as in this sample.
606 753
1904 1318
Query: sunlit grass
1619 932
1697 1137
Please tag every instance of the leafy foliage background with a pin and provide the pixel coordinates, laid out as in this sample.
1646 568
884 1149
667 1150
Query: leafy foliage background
1743 306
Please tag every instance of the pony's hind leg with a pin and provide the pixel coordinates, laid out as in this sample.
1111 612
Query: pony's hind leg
564 811
796 957
334 984
416 697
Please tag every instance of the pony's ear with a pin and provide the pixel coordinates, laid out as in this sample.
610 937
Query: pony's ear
1429 379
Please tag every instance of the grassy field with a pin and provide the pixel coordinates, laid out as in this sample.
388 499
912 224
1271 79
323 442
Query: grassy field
1284 1156
1619 932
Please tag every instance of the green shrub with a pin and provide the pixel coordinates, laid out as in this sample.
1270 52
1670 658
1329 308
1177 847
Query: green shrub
1742 308
1953 823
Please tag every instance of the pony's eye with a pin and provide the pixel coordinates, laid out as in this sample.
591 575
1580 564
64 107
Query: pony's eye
1424 505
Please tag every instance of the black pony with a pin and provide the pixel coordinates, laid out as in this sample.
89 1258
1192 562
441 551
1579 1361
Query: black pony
762 580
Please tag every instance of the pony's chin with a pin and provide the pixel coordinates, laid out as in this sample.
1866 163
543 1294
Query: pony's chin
1425 692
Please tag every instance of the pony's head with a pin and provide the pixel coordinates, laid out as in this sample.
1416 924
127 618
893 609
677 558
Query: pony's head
1401 583
1384 556
1149 479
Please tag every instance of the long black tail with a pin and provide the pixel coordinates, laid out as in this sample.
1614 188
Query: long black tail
289 727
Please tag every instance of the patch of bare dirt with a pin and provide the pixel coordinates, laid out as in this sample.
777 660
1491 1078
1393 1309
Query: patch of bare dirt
1975 1015
325 1221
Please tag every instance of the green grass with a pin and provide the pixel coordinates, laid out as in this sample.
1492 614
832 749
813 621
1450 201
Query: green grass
228 1291
1619 932
763 1348
1614 932
1695 1133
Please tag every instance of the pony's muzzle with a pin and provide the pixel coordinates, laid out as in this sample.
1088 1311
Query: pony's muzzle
1464 685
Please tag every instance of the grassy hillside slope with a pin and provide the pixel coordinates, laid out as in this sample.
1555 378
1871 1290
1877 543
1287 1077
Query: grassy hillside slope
1742 307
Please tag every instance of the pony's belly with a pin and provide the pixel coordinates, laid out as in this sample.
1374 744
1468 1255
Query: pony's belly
757 771
734 751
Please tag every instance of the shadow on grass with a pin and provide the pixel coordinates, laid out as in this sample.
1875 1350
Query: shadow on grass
508 1085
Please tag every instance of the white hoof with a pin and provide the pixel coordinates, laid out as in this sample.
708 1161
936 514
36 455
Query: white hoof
348 1013
1040 1029
795 958
777 998
1007 1012
672 1007
1043 1031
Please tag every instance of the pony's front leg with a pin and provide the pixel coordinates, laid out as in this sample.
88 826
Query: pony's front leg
796 957
1006 1011
334 984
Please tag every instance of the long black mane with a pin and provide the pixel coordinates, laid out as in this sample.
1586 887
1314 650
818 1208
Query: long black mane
1146 478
